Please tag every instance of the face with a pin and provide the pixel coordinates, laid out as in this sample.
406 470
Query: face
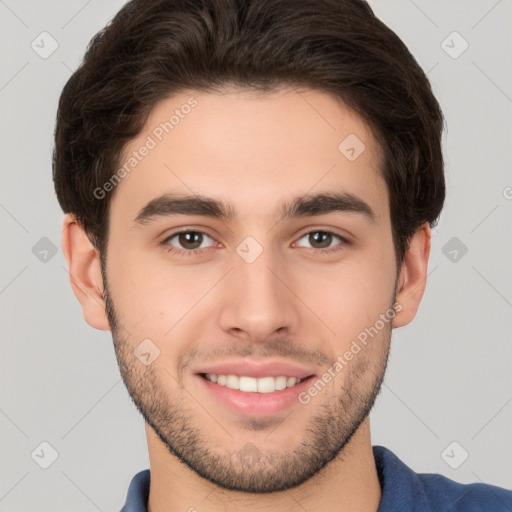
277 292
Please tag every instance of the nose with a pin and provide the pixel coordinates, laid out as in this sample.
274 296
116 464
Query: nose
258 299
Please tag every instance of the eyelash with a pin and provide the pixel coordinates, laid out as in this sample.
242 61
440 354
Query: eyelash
197 252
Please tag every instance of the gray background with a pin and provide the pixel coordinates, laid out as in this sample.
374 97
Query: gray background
449 376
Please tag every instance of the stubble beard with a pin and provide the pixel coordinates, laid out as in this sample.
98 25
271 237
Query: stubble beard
339 410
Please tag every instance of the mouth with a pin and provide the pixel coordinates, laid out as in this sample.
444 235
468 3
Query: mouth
255 397
248 384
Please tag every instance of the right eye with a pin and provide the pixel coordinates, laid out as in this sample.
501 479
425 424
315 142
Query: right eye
190 242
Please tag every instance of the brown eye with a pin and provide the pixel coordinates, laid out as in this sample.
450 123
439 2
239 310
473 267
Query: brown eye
320 240
187 240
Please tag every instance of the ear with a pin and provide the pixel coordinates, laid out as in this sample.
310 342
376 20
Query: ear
413 276
84 273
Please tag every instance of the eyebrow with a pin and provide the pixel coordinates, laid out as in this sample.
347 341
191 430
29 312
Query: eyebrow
302 206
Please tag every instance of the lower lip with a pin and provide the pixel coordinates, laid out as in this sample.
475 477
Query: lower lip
256 404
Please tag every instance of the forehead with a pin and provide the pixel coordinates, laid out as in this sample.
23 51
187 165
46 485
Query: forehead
250 150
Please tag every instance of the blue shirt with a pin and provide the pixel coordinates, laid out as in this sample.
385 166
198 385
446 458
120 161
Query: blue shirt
403 490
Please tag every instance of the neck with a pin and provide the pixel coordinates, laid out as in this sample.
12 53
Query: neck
348 483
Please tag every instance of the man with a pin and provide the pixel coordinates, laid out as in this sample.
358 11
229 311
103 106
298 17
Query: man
249 188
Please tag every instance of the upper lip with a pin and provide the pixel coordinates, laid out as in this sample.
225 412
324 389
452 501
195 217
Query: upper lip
255 369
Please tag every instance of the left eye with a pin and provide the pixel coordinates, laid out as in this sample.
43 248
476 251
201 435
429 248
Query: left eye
322 238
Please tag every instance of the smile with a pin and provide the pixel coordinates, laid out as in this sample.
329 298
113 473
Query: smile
253 385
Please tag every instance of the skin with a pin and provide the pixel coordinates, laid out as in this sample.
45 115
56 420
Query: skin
292 304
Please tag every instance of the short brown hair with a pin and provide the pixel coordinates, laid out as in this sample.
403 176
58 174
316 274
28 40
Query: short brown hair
155 48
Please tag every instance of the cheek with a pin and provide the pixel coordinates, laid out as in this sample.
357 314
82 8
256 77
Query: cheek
351 296
151 297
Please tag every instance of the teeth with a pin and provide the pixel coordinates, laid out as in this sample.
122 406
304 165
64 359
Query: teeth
232 381
246 384
281 383
250 384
